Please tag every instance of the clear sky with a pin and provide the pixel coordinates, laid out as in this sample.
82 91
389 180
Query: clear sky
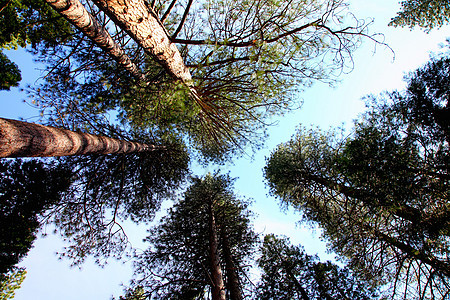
48 278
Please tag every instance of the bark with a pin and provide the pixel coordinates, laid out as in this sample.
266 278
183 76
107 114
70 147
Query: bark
74 12
22 139
437 264
405 212
232 277
142 24
218 287
297 284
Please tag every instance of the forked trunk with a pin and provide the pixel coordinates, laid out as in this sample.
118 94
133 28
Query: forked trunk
233 284
218 287
142 24
22 139
77 15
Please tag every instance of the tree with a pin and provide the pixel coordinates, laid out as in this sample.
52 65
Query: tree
21 139
11 282
9 73
290 273
200 248
27 190
24 22
426 14
381 195
76 14
242 72
110 189
105 189
140 21
425 102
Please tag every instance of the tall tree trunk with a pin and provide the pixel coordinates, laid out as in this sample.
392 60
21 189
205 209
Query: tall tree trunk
440 265
218 287
78 16
298 286
142 24
403 211
22 139
233 284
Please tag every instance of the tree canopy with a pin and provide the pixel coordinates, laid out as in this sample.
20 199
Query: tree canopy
382 194
109 189
9 73
10 282
247 62
290 273
427 14
27 22
206 234
27 190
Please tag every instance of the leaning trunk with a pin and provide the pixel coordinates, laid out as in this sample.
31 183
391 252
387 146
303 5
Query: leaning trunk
437 264
77 15
142 24
233 284
405 212
22 139
218 287
298 286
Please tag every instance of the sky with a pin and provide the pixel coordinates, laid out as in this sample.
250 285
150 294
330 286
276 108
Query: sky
376 69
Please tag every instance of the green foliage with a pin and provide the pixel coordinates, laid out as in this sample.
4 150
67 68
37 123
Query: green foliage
381 195
9 73
27 22
24 22
137 293
248 60
425 102
27 190
176 266
109 189
10 282
290 273
427 14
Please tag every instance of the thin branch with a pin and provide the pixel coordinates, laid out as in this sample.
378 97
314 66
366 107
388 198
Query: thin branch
183 20
169 9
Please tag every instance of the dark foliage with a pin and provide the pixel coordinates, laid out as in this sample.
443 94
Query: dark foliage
9 73
382 195
290 273
177 265
27 190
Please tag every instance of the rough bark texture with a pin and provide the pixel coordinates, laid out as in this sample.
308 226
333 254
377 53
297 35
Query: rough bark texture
218 287
22 139
78 16
142 24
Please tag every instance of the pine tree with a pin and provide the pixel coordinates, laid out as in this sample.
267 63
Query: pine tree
381 195
200 248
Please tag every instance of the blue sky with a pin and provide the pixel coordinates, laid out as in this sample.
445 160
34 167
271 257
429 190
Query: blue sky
49 278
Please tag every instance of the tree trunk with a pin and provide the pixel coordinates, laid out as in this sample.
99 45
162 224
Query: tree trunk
405 212
78 16
142 24
22 139
233 284
297 284
439 265
218 287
